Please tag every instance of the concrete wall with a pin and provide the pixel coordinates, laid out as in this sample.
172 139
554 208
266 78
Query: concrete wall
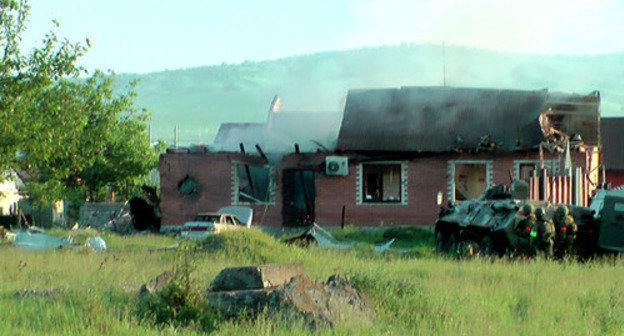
424 177
97 214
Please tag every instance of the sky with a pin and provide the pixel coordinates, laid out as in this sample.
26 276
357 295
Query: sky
141 36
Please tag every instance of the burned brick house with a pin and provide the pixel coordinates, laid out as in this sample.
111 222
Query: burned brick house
394 156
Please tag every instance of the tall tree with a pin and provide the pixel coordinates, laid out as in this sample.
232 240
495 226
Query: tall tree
75 136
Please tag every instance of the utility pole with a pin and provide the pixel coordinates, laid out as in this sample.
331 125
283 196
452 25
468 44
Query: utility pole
175 136
443 63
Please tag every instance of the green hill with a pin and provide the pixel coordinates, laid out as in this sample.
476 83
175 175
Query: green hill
199 99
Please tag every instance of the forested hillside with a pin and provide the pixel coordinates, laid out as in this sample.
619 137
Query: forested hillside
199 99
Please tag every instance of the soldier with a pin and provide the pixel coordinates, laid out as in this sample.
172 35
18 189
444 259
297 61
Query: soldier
565 231
519 230
542 233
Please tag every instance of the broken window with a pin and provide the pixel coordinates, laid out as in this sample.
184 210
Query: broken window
469 180
525 170
381 183
254 183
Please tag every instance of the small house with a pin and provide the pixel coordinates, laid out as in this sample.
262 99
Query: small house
390 158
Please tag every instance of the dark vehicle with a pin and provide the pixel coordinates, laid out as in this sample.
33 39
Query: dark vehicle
482 226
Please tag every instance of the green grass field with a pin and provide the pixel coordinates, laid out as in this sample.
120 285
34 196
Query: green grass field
413 293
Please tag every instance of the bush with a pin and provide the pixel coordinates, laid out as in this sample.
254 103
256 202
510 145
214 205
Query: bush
180 303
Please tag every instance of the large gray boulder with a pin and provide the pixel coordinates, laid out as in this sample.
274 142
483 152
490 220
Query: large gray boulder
255 277
302 297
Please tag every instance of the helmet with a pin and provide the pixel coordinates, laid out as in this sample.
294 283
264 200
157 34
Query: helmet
527 209
539 213
562 211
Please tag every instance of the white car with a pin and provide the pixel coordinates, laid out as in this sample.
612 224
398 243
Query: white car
206 223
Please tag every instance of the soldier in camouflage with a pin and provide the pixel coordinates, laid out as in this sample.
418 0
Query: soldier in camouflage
565 231
518 232
542 234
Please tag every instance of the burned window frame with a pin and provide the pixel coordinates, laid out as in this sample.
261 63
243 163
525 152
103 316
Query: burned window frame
236 184
553 165
403 183
451 174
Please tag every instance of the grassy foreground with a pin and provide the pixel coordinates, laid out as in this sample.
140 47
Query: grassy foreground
413 293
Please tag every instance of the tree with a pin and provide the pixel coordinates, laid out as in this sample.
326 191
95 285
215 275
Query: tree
75 136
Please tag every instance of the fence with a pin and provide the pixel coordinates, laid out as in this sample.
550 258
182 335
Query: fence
572 188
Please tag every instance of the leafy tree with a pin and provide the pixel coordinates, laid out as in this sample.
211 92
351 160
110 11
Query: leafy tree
75 136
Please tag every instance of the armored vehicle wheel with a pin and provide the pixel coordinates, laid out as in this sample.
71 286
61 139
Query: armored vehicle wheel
453 243
468 248
442 241
487 246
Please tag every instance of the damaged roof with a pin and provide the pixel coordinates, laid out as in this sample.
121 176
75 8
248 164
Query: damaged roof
230 135
310 130
438 119
612 143
576 114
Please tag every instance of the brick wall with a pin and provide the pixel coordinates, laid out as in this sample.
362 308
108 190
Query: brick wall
615 177
426 176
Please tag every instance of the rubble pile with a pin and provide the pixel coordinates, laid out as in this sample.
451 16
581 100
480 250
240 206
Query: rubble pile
283 290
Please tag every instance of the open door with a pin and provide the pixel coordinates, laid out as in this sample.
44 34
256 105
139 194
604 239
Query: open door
298 196
612 222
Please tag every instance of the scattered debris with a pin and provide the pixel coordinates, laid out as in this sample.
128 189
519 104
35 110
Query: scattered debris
122 222
384 247
98 244
318 236
34 238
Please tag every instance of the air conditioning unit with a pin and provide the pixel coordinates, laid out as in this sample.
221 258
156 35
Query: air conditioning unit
337 165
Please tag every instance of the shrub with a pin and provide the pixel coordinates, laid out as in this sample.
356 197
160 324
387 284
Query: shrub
180 303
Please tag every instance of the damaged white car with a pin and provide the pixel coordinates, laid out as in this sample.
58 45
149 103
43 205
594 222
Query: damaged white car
227 218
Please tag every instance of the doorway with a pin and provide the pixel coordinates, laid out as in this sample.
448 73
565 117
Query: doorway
299 197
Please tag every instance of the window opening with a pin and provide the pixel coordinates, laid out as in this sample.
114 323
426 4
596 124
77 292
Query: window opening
382 183
254 183
469 180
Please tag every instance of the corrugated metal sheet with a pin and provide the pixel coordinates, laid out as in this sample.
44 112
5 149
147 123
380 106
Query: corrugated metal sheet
439 119
612 134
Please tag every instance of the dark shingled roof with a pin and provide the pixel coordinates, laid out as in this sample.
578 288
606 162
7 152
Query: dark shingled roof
612 135
439 119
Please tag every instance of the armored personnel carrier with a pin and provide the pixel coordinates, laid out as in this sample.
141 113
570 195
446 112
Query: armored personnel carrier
481 226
